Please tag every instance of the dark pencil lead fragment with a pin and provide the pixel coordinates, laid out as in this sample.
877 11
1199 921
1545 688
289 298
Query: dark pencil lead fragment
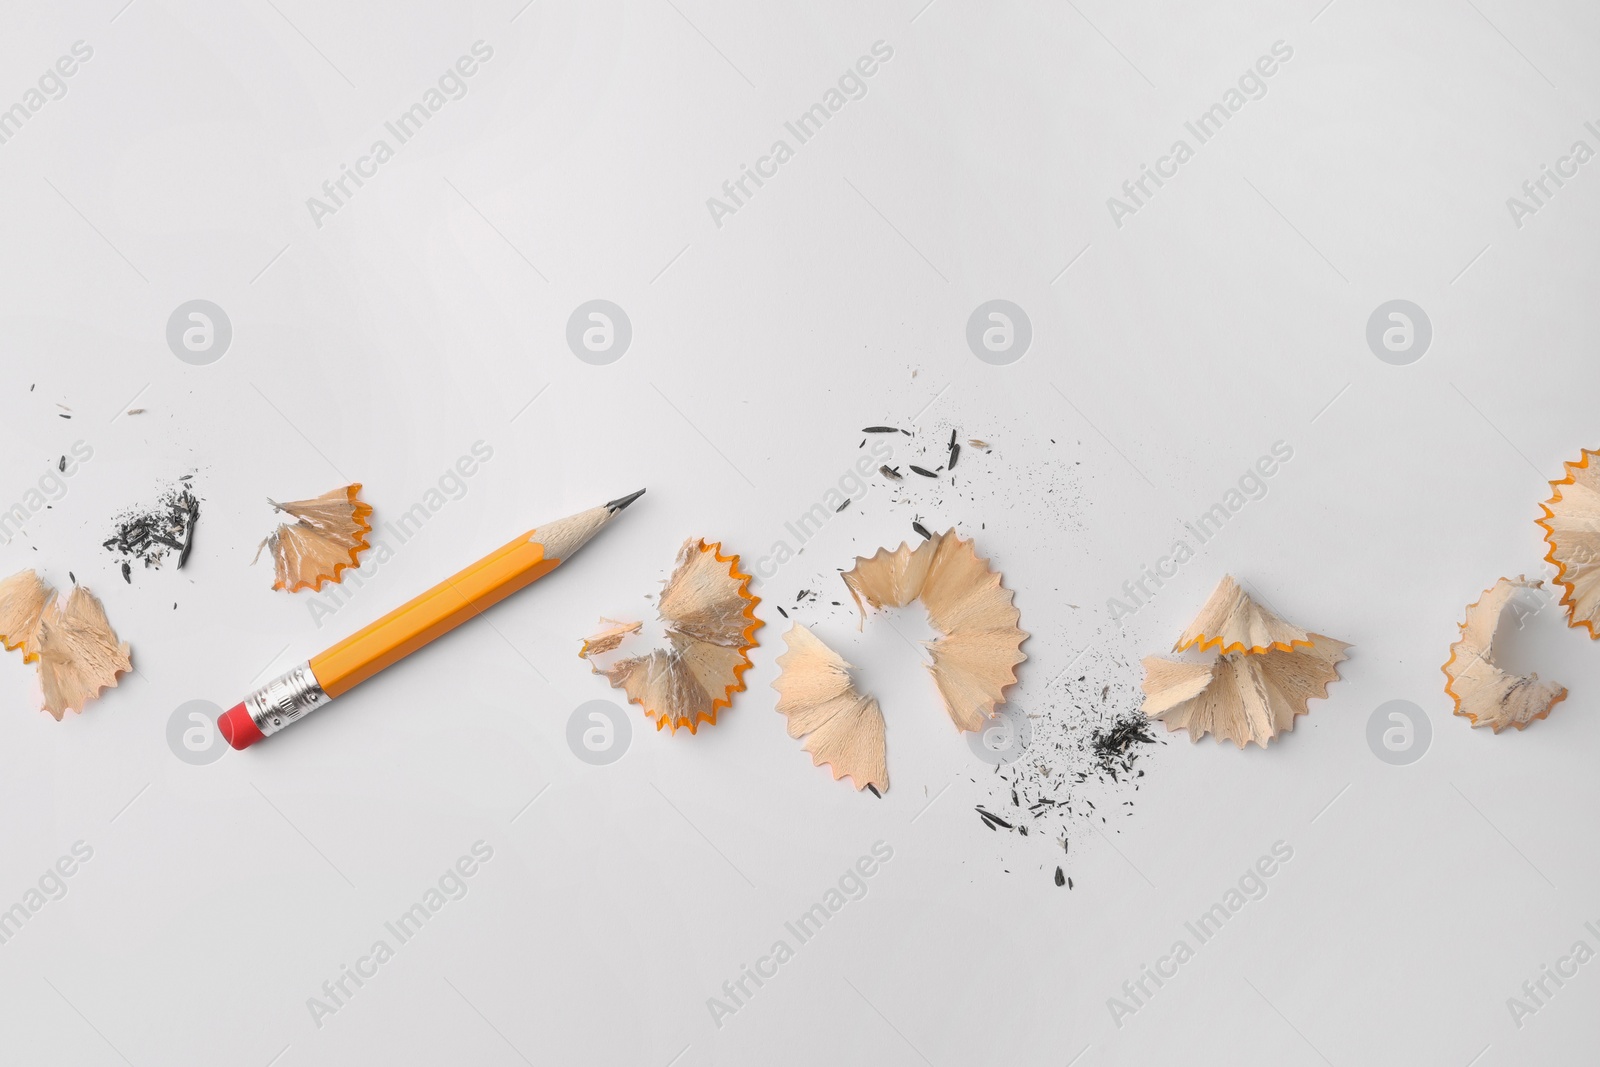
922 471
1061 878
62 465
785 614
841 507
955 454
148 534
883 429
989 816
874 790
923 530
188 531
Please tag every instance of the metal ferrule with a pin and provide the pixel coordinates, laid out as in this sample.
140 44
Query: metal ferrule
288 698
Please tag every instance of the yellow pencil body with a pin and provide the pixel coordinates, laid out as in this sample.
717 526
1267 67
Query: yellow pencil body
428 615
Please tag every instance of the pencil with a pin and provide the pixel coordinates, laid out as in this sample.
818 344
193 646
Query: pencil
301 690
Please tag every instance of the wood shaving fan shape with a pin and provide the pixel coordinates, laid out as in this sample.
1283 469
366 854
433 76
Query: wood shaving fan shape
710 620
974 658
1265 673
327 538
1482 691
78 653
818 699
1571 525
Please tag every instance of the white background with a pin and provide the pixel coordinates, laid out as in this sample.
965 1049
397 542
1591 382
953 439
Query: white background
1227 314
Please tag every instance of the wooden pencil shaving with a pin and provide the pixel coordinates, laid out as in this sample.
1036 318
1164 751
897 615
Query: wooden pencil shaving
23 597
1231 621
609 638
710 620
1482 692
79 654
327 537
1572 530
975 658
77 650
842 728
1238 697
890 579
1263 677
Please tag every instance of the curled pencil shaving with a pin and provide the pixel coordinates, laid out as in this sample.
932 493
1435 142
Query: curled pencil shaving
327 537
77 650
975 658
817 697
1571 523
1263 676
710 620
1483 693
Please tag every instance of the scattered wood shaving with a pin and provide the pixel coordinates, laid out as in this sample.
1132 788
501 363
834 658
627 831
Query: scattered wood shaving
1482 692
975 658
1241 698
1264 676
23 597
1571 525
327 537
709 613
77 650
817 698
79 654
609 638
1231 621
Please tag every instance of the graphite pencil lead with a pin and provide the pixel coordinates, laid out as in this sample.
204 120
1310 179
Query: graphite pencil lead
623 501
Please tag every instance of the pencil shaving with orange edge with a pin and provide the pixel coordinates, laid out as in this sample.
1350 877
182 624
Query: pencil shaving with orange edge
1230 621
327 538
1262 677
77 651
1571 524
710 620
1484 693
23 597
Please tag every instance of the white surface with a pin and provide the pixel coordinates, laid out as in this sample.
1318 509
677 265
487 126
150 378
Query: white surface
428 311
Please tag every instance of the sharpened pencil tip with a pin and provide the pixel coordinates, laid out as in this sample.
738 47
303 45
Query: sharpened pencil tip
623 501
